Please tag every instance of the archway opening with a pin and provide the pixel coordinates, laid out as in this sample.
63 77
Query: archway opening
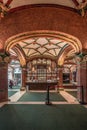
56 46
14 77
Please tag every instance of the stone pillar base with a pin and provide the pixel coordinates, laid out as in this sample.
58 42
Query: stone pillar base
4 100
84 103
61 88
22 89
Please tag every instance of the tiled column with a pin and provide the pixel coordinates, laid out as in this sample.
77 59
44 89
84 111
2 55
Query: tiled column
82 82
60 73
3 82
23 79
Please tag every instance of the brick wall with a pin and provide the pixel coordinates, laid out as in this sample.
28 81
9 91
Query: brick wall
3 82
33 18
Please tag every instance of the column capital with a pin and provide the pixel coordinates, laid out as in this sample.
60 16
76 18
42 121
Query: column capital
60 67
80 58
3 9
24 67
82 8
84 58
4 58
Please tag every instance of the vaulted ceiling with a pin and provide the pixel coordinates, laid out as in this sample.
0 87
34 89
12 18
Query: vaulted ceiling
42 46
45 46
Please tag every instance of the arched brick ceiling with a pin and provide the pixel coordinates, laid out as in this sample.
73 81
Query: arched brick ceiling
13 53
43 18
17 3
42 46
18 24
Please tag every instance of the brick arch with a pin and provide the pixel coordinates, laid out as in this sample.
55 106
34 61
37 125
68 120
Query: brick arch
20 56
73 41
43 17
63 55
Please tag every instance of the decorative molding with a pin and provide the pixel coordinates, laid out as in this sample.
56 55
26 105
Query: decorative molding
60 66
41 5
4 58
81 58
20 55
84 58
3 9
73 41
82 8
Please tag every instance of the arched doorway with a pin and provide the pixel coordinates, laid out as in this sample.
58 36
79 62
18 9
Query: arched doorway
43 44
14 77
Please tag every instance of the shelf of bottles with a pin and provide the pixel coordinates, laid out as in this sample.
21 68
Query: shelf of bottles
42 70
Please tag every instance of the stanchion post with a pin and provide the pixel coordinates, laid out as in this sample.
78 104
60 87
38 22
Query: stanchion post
47 98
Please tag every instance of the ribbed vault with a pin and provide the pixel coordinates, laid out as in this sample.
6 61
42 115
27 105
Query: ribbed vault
43 44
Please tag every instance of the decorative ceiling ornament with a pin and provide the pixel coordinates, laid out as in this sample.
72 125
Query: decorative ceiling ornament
81 7
85 58
80 58
7 59
32 35
3 9
77 60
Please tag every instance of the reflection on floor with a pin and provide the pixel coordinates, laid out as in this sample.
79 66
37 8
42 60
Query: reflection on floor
70 96
10 93
72 92
23 97
41 96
